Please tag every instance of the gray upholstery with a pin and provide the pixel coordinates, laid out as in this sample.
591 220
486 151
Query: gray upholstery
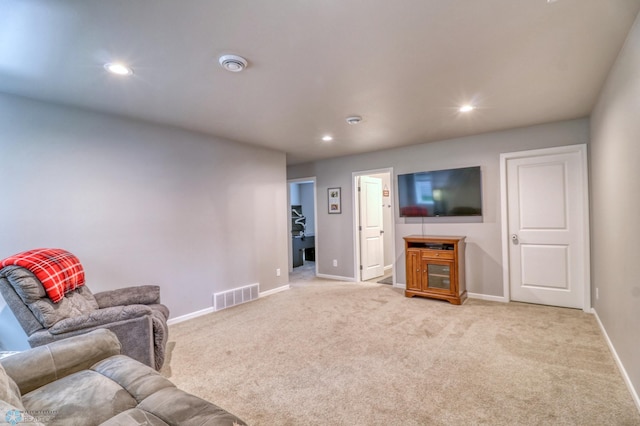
83 381
134 314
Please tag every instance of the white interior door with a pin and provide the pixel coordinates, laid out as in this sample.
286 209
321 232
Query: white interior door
371 228
547 232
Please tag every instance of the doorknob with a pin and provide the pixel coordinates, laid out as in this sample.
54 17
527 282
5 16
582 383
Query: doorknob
514 238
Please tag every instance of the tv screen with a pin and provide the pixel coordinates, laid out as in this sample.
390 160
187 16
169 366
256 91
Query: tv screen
453 192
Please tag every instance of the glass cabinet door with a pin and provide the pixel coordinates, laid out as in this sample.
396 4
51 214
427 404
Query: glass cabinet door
439 276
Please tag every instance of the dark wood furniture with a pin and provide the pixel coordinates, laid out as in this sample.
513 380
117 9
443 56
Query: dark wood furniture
435 267
303 248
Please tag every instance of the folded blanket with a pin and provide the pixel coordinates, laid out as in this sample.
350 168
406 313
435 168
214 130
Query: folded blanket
58 270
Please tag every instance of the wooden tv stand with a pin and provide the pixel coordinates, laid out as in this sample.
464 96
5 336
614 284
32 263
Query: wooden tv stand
435 267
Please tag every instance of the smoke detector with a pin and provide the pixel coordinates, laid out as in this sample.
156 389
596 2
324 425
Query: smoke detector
232 63
355 119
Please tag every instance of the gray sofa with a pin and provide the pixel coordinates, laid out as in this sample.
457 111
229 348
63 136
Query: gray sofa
84 381
134 314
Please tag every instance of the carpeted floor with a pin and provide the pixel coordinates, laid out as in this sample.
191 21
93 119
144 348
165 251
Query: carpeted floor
386 280
331 353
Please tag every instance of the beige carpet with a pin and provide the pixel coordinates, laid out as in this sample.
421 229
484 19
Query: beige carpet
329 353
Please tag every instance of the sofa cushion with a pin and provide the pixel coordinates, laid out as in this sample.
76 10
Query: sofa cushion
76 303
84 398
9 392
176 407
136 378
31 291
134 417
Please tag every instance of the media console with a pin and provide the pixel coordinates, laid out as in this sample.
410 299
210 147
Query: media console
435 267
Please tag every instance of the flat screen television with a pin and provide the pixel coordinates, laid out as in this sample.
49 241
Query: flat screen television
453 192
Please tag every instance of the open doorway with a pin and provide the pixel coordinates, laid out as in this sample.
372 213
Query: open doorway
373 219
302 229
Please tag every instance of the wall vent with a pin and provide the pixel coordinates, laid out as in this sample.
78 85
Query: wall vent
236 296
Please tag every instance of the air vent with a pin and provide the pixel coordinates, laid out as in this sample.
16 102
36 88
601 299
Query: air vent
232 63
236 296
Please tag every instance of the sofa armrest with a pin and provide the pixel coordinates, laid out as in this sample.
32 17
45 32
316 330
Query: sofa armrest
139 295
99 317
36 367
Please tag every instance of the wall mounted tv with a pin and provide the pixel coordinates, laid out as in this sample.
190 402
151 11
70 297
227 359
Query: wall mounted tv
453 192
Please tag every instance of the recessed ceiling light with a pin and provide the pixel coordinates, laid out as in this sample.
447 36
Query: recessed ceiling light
466 108
327 138
355 119
232 63
118 68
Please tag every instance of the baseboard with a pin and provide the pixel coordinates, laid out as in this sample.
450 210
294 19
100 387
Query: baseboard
192 315
488 297
335 277
386 268
274 290
205 311
625 376
403 286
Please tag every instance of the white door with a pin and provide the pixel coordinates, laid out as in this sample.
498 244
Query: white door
371 228
547 226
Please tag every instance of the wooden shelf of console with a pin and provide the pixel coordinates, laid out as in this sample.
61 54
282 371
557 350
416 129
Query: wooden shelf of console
435 267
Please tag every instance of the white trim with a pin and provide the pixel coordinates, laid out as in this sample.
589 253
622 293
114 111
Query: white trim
311 179
625 376
336 277
504 215
582 150
192 315
205 311
273 291
479 296
487 297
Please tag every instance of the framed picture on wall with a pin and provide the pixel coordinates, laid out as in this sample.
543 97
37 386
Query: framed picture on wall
335 203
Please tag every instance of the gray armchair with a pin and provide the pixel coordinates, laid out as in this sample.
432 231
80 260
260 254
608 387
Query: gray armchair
134 314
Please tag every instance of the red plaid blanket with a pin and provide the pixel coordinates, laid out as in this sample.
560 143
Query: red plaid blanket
58 270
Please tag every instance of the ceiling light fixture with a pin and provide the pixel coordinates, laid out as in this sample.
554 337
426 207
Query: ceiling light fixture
327 138
118 68
466 108
355 119
232 63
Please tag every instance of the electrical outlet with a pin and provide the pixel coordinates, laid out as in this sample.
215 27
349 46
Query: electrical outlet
597 294
335 263
278 272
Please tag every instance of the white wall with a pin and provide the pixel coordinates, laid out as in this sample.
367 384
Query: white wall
484 255
141 203
615 206
294 194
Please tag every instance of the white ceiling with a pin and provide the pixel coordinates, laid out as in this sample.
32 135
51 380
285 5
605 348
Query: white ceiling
404 65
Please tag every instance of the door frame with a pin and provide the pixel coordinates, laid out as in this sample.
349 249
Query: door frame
311 179
356 222
581 149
